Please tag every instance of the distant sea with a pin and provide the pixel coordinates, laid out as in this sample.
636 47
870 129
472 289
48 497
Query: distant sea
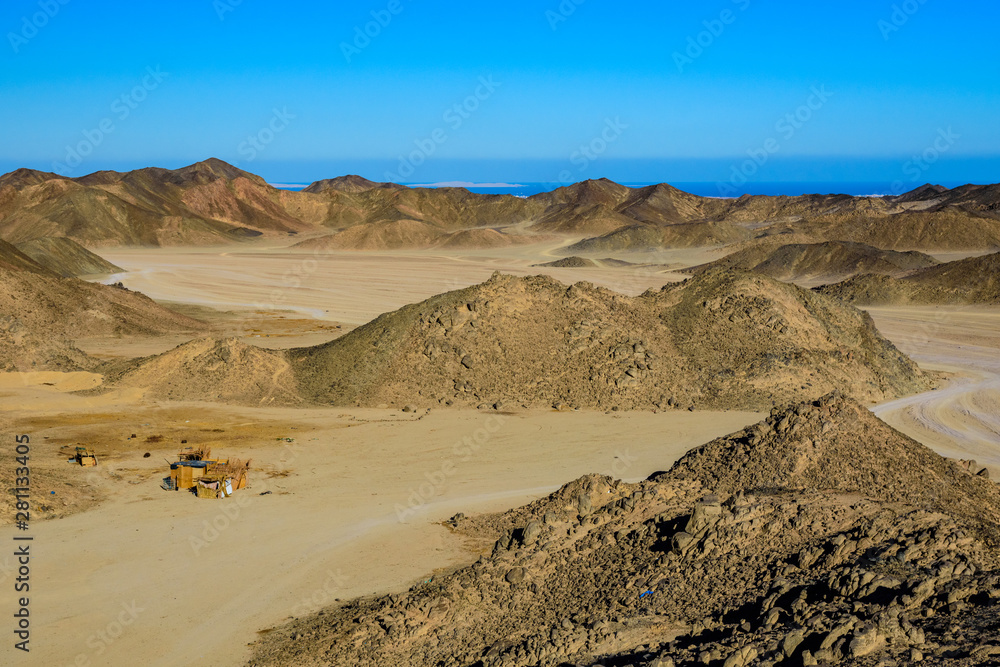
709 189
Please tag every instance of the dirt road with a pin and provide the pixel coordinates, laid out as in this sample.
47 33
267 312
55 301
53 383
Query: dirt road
962 419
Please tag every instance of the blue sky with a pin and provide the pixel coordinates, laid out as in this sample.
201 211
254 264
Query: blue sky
513 91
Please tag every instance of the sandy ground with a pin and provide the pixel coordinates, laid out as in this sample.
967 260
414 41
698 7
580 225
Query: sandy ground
354 509
145 576
354 287
962 419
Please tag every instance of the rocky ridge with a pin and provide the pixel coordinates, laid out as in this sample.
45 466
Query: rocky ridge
715 562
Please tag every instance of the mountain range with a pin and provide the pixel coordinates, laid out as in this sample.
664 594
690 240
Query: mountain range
212 202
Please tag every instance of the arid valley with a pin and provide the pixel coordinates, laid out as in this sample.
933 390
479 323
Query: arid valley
416 411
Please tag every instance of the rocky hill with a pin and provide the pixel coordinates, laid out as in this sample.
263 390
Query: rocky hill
975 280
572 262
955 227
830 261
819 536
651 237
206 369
209 202
720 340
716 341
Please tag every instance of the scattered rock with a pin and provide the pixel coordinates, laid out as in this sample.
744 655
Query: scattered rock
515 575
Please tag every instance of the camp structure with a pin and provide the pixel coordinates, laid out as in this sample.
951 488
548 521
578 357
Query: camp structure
210 478
222 478
185 474
192 454
85 457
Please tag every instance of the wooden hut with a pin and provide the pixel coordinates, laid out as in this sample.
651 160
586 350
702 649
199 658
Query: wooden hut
85 457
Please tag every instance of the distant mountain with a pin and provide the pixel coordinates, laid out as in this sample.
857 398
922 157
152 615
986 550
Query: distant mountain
975 280
213 202
350 183
206 203
653 237
923 193
832 260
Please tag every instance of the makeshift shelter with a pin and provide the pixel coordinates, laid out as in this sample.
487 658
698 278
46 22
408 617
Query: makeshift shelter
210 478
184 474
222 478
192 454
209 489
85 457
234 470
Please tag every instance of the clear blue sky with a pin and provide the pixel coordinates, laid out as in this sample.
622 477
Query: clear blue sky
893 86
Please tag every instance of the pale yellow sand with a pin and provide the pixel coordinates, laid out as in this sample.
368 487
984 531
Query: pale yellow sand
962 419
208 574
59 381
356 287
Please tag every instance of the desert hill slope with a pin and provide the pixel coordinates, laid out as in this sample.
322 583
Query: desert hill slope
832 260
210 370
975 280
846 562
955 227
719 340
66 257
208 202
837 445
653 237
42 312
13 259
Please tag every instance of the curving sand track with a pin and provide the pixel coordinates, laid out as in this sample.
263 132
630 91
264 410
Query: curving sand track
961 419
